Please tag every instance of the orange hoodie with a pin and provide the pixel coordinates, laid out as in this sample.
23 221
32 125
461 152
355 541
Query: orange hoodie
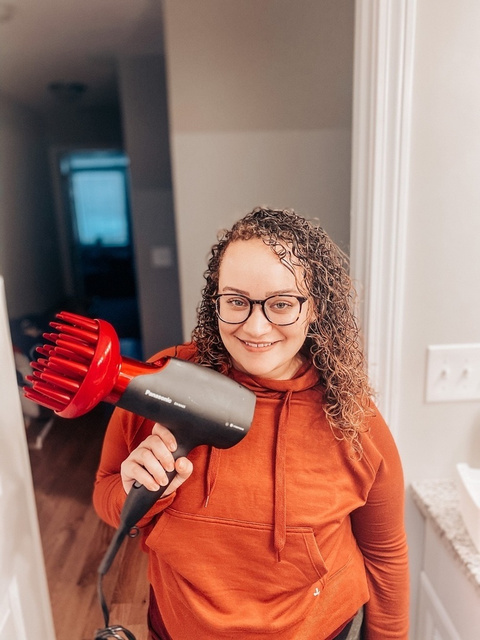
285 535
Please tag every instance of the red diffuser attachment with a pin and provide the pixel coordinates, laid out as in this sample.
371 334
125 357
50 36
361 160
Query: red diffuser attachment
81 367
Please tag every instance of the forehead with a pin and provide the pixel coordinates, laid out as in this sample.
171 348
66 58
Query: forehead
252 262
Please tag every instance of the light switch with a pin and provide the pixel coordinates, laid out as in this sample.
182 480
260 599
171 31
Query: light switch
453 373
161 257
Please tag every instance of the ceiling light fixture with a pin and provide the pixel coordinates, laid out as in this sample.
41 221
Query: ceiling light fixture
67 91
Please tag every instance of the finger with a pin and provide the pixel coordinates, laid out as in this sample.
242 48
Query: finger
166 435
184 468
157 464
132 472
148 464
156 446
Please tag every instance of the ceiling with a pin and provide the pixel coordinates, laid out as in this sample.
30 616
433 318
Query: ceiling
72 41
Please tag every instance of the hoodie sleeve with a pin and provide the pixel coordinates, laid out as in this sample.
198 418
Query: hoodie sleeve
124 433
379 529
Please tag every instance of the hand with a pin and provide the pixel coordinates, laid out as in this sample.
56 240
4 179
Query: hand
149 462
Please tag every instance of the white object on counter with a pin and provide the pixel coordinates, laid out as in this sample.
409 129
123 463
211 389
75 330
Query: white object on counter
468 484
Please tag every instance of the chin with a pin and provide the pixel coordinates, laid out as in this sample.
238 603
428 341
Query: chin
251 367
262 369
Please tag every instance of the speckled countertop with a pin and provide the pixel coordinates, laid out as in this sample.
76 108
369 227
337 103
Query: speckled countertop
438 501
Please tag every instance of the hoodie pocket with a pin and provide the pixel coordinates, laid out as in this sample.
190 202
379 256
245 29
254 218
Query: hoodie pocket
227 573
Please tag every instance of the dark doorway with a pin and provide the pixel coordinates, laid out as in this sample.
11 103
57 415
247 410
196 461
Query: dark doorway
96 197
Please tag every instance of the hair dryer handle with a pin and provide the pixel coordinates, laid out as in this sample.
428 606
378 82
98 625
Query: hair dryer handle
140 499
138 502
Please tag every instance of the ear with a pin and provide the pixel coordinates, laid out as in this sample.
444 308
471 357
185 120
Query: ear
312 312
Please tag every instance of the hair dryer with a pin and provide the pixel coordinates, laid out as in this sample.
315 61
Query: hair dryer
83 367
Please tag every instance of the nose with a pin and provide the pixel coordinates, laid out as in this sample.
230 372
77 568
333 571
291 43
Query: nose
257 324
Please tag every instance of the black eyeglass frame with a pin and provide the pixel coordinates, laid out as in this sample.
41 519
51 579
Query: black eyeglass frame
300 299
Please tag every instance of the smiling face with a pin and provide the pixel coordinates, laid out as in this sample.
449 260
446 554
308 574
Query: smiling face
258 347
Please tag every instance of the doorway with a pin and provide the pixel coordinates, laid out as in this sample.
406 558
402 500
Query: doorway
96 203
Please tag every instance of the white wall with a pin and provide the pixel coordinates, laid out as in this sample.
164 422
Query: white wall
442 301
260 113
145 125
29 258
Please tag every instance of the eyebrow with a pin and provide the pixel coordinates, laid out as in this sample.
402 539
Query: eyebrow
269 293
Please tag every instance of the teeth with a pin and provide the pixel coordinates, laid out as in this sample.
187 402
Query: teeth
258 345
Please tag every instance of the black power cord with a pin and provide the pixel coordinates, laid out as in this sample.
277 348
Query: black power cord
112 631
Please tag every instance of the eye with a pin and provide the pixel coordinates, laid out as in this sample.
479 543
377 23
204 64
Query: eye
280 305
236 302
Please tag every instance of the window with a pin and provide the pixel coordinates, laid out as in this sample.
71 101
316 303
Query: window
99 195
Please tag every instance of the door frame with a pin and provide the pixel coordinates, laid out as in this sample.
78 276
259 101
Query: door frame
381 130
25 610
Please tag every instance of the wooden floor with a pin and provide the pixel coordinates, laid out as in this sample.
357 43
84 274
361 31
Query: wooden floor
74 539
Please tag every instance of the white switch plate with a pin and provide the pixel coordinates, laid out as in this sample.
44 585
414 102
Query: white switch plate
453 373
161 257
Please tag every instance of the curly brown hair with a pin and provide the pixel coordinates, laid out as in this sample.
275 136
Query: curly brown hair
333 338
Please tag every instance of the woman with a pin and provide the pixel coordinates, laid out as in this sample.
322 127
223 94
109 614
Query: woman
291 532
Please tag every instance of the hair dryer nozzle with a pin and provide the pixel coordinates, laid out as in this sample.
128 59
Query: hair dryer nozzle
80 368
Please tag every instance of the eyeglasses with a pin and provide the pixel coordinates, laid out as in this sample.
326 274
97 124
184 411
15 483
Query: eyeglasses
282 310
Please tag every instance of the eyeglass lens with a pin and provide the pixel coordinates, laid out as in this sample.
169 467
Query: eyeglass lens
281 309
